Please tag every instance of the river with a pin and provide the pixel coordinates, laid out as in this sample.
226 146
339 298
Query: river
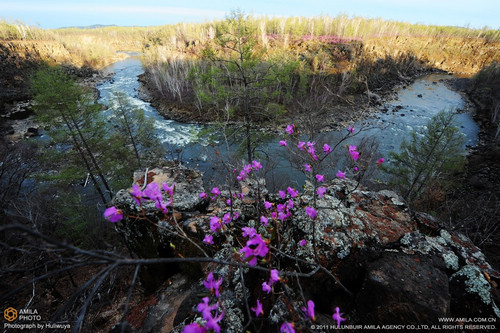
413 107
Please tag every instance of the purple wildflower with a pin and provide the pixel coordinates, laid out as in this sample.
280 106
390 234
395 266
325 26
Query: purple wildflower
153 192
283 143
307 168
320 178
287 328
215 224
203 195
337 316
290 129
194 328
255 247
275 276
136 194
321 191
264 220
209 239
301 145
282 194
309 311
311 212
249 232
113 215
161 205
327 149
351 129
268 205
256 165
169 189
380 161
266 287
258 309
226 218
353 152
215 191
212 284
340 174
293 193
302 242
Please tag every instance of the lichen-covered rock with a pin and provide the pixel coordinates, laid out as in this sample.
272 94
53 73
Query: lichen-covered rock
365 251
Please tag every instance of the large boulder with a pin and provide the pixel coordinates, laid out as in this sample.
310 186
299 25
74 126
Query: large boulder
364 252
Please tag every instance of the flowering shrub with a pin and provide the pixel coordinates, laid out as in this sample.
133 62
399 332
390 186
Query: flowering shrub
254 244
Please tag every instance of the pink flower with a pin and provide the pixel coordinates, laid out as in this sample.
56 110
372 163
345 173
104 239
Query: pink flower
213 322
203 195
290 129
283 143
212 284
289 205
380 161
113 215
340 174
268 205
311 212
206 312
309 310
307 168
194 328
205 308
153 192
353 152
249 232
321 191
215 191
162 206
301 145
302 242
351 129
169 189
264 220
327 149
258 309
282 194
266 287
293 193
226 218
320 178
337 316
282 216
136 194
256 165
209 239
287 328
215 224
275 276
356 169
255 247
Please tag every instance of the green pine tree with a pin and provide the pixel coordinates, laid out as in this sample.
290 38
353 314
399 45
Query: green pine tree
431 156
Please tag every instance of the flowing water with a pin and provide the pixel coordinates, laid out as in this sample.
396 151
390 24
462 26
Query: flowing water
413 107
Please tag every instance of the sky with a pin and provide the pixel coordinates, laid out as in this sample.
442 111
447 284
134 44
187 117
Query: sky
63 13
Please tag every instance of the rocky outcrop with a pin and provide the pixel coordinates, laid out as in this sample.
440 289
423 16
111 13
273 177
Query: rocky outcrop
365 252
